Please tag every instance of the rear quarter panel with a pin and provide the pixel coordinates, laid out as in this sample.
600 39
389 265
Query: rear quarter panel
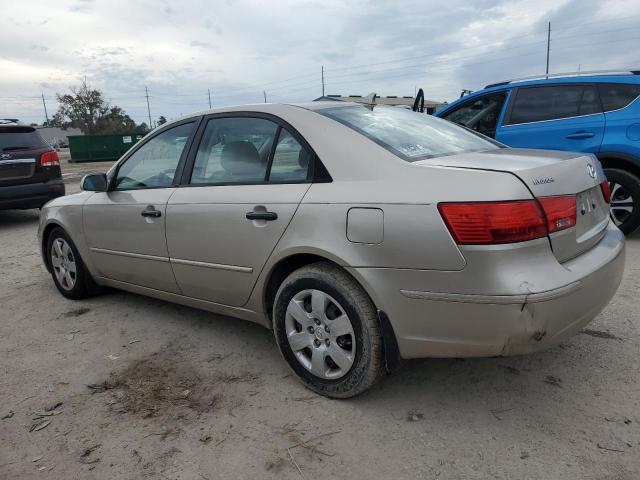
622 131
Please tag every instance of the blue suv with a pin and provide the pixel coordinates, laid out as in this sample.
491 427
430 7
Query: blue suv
591 113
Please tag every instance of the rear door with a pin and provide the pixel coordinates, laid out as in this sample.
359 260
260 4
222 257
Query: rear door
125 226
554 117
247 179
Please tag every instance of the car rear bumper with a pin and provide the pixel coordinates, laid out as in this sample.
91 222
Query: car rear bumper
31 195
437 324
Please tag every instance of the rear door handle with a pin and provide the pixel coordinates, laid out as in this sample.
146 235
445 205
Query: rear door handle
150 211
579 135
268 216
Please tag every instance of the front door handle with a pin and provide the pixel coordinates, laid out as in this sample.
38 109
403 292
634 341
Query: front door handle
268 216
580 135
150 211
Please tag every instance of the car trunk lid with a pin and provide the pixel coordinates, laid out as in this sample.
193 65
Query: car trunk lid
548 174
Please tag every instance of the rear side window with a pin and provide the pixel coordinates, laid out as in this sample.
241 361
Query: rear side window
290 160
20 138
617 95
536 104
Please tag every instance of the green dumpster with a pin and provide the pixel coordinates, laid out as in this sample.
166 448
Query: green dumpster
98 148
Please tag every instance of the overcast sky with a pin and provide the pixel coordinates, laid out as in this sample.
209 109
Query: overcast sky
239 48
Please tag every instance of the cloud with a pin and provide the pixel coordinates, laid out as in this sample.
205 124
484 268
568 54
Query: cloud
238 48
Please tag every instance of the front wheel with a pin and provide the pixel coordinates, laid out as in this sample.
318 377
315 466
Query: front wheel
625 199
327 330
70 276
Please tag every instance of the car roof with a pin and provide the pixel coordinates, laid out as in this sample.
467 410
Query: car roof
567 80
270 108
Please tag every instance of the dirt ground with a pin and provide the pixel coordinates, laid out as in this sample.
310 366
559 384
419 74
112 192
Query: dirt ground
126 387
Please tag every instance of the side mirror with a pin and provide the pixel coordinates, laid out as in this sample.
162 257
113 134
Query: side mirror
96 182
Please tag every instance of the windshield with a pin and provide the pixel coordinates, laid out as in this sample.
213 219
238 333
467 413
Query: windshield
409 135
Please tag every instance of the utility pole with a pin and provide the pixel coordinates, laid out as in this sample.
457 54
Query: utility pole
322 72
146 94
46 115
264 92
209 92
548 47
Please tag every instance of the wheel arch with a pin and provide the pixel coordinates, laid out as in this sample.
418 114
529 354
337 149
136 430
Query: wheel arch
622 161
286 265
46 232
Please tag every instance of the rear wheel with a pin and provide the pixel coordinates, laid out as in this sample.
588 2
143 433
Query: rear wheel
69 273
625 199
327 330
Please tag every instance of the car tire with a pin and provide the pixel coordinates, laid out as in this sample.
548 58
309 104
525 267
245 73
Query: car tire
69 273
625 194
330 299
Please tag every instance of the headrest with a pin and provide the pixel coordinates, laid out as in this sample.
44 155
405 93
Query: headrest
241 158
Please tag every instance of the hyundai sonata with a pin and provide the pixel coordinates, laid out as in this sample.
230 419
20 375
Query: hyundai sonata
360 236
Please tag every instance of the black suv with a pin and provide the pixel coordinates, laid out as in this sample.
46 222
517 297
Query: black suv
29 168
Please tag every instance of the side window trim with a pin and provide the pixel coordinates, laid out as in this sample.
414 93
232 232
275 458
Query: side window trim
272 153
181 163
185 178
508 123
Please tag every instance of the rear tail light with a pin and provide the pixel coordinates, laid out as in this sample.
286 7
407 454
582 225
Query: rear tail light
486 223
606 191
560 212
49 159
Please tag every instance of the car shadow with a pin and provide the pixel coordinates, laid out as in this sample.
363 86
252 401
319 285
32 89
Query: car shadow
490 387
16 218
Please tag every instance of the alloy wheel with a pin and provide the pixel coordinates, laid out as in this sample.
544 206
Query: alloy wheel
63 263
621 203
320 334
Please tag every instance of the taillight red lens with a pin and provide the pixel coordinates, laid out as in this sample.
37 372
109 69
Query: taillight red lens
560 212
483 223
606 191
49 159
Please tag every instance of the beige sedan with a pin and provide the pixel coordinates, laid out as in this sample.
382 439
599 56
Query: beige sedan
360 236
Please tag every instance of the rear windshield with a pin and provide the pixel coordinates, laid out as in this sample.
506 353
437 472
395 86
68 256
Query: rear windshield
409 135
20 138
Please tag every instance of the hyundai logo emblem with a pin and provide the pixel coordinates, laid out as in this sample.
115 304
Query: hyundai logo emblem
591 170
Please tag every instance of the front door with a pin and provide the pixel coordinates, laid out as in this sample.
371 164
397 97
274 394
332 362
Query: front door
125 226
556 117
249 176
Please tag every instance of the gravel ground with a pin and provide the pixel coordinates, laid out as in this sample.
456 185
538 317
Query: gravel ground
126 387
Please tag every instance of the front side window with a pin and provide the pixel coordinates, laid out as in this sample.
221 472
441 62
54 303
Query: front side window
290 160
537 104
481 114
154 164
409 135
617 95
234 150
